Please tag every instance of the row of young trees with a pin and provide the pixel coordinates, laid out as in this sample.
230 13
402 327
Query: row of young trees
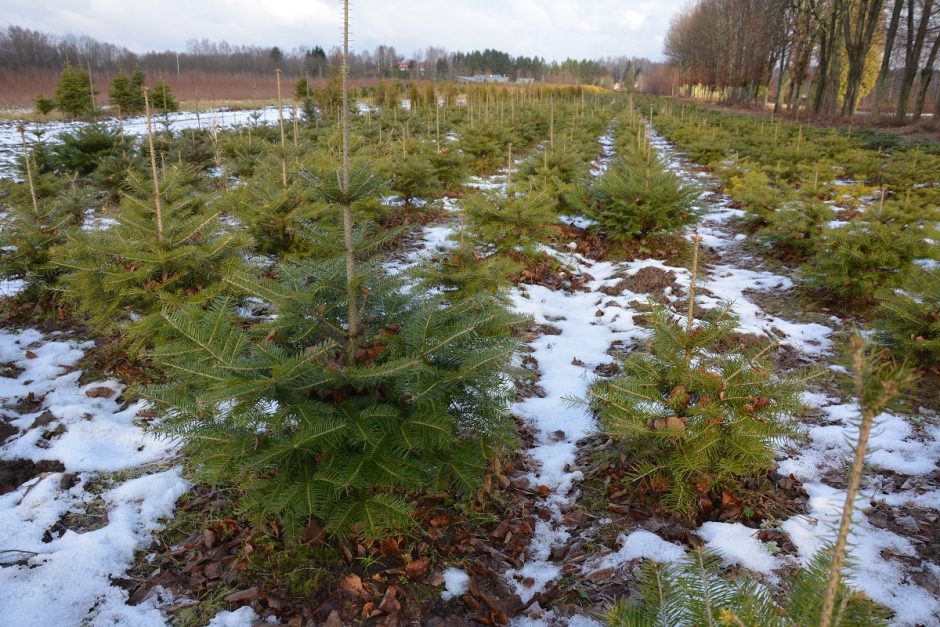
352 396
75 95
23 50
357 397
828 53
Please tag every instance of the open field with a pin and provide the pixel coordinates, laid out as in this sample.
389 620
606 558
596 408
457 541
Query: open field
541 352
541 239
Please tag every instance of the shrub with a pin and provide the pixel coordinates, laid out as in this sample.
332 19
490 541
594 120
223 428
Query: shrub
909 323
511 225
854 261
693 592
122 276
791 231
73 91
695 418
635 202
316 432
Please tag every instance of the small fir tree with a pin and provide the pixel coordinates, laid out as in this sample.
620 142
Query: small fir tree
693 591
909 320
302 90
34 226
635 201
513 226
355 397
127 92
695 418
792 230
81 151
272 215
854 261
44 105
461 272
162 99
316 432
164 251
413 175
73 92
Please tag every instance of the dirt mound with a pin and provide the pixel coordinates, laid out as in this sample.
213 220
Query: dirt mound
649 280
16 472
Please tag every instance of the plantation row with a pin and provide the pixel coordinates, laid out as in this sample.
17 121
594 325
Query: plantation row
248 273
858 211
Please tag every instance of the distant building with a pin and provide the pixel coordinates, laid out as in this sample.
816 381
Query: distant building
409 65
483 78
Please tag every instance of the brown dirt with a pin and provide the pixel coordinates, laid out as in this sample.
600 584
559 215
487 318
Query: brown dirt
6 430
670 248
547 273
649 280
16 472
396 581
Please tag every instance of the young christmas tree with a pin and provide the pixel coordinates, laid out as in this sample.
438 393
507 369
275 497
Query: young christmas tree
462 272
73 92
873 251
162 99
357 396
693 591
909 324
33 227
166 249
696 418
638 199
513 225
127 92
272 214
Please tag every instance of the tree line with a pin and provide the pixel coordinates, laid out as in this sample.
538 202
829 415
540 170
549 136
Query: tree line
824 55
23 50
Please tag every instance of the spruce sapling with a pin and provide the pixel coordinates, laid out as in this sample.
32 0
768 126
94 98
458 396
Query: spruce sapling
878 382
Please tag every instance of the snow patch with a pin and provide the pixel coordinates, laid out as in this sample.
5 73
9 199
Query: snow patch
739 545
456 583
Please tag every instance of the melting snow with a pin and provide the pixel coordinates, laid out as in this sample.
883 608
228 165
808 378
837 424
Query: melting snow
54 578
456 583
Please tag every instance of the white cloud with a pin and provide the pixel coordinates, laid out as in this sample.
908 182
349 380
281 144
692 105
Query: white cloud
632 19
554 29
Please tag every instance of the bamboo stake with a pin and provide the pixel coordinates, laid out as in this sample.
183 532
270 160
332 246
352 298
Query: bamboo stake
869 411
509 173
280 121
352 308
29 171
153 166
696 239
551 125
293 116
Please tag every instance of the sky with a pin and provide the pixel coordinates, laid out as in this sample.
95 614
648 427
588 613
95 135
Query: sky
554 29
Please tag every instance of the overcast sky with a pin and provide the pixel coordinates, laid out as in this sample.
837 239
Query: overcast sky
555 29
